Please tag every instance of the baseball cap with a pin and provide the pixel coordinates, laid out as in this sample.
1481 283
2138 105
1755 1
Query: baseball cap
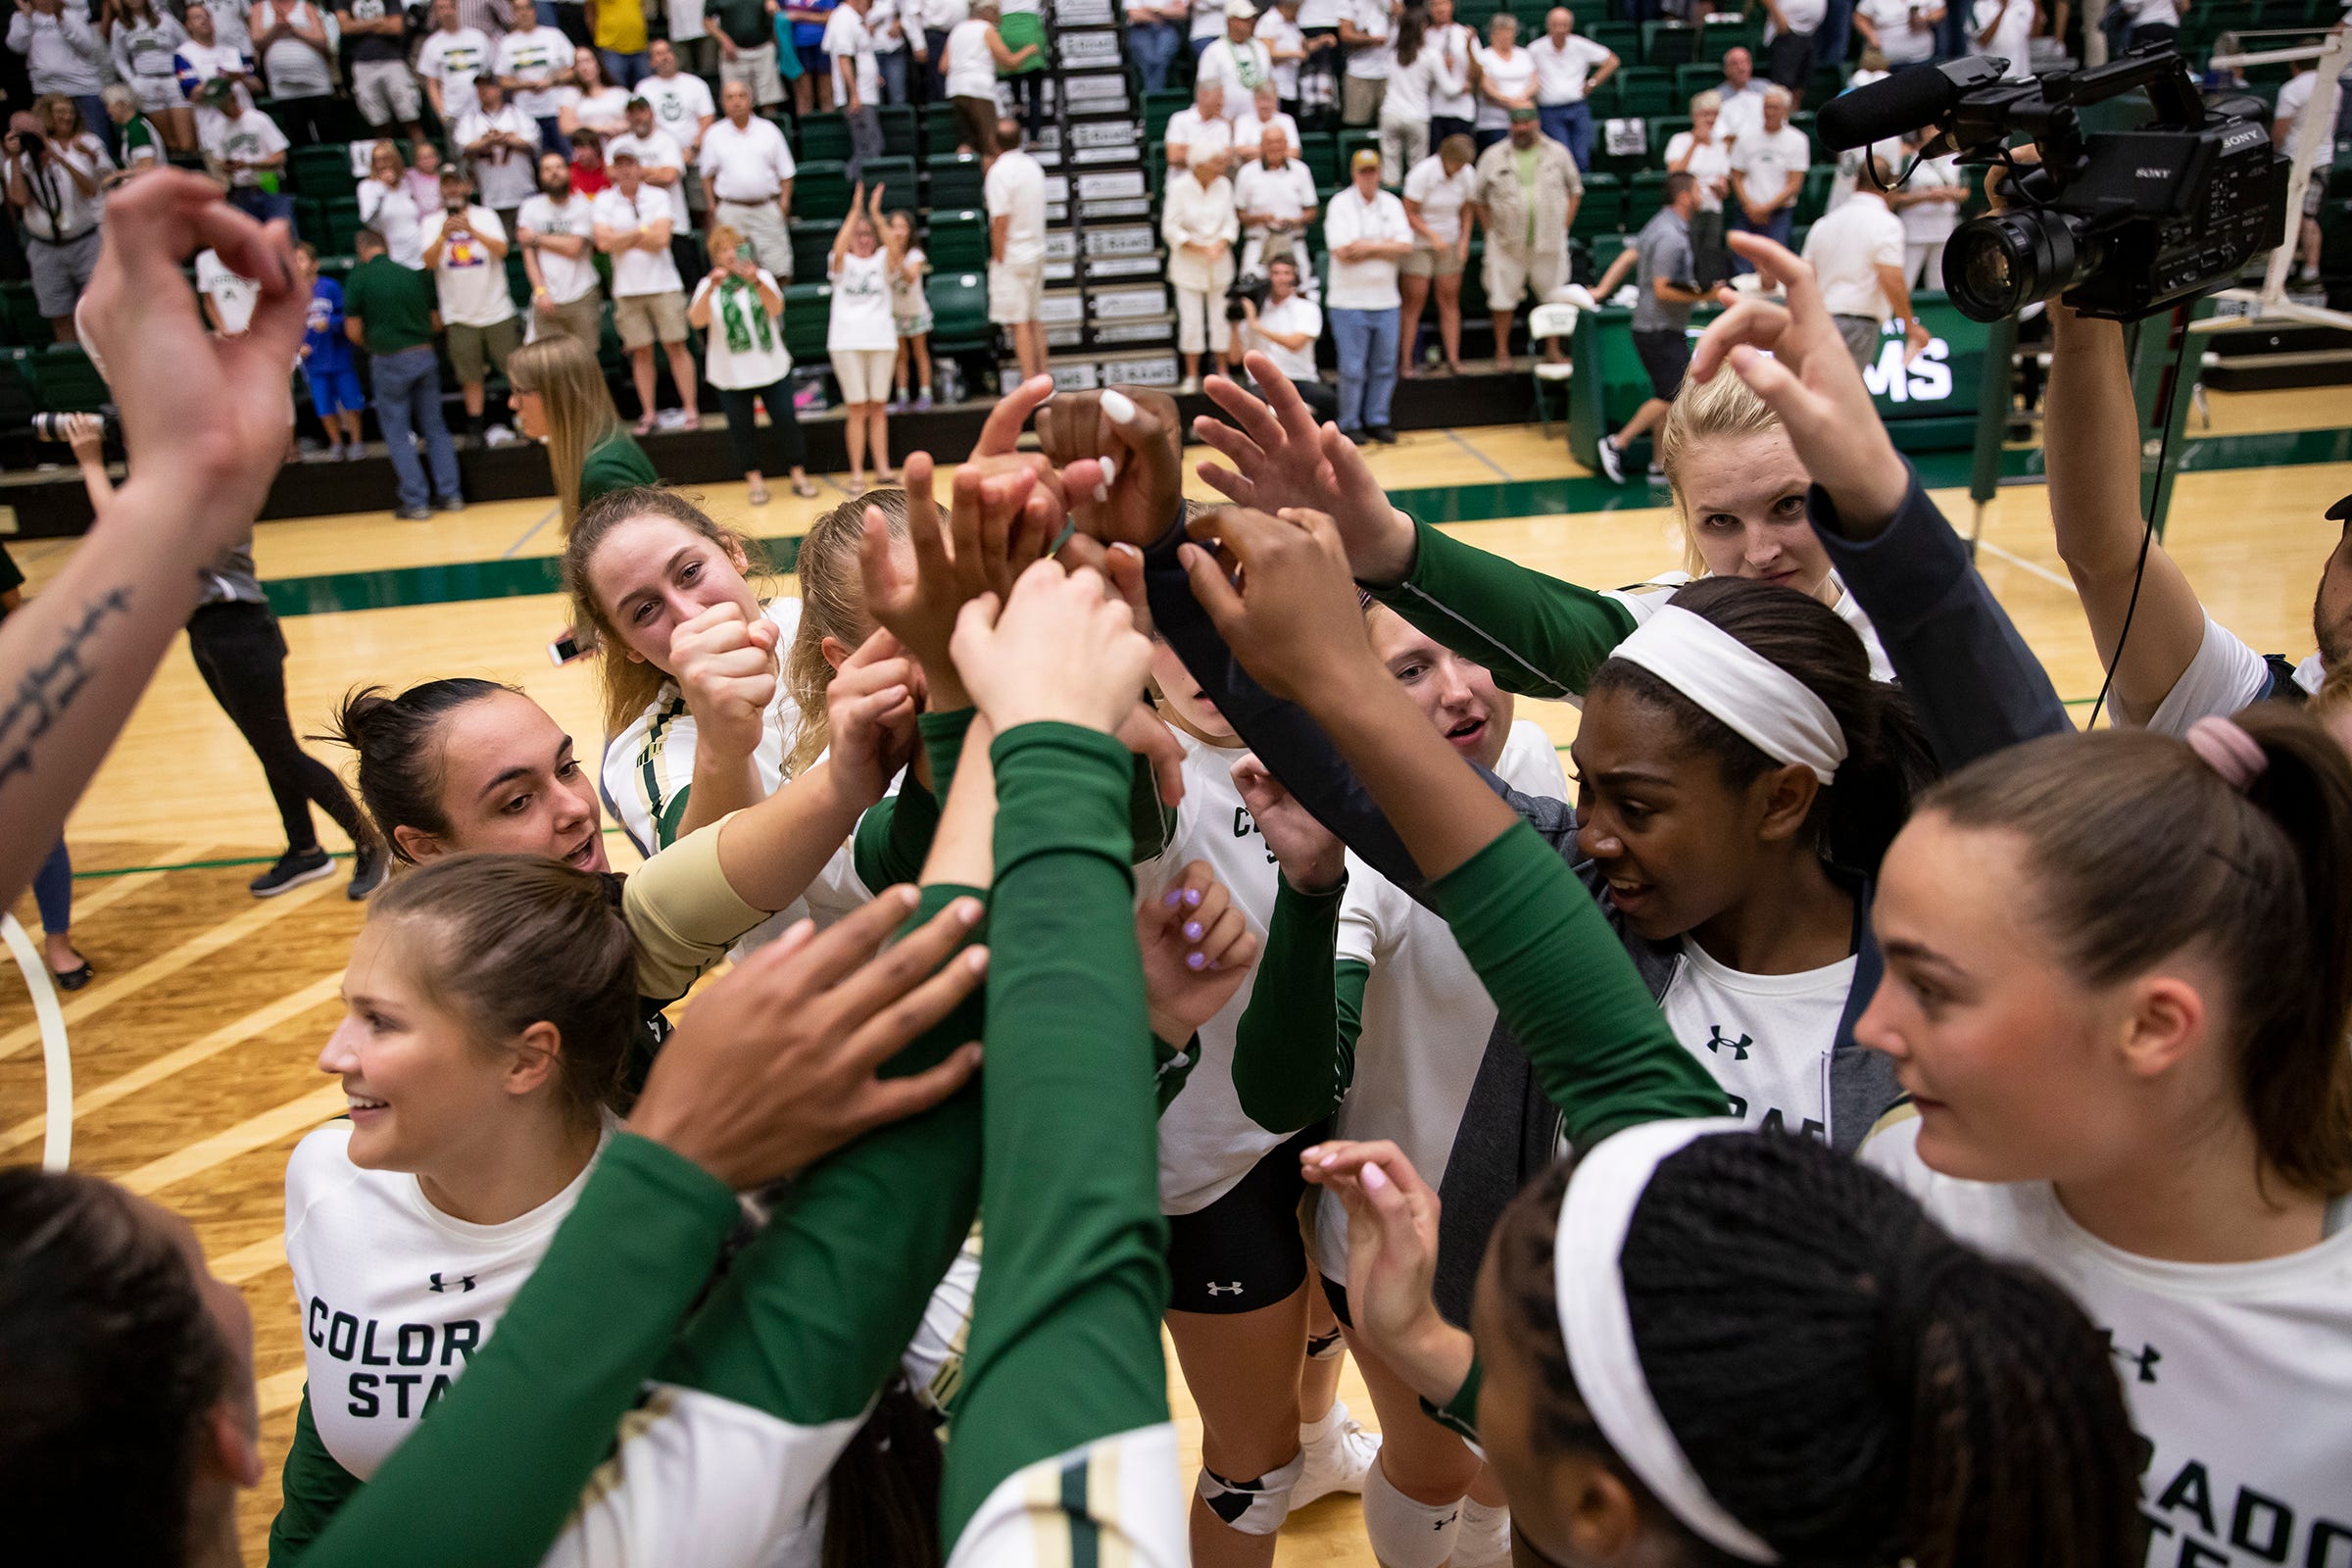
1240 10
2342 511
1365 157
1523 113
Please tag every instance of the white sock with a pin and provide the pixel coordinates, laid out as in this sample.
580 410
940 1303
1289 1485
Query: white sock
1334 1420
1485 1539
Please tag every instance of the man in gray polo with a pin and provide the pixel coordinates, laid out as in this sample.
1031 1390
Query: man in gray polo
1666 281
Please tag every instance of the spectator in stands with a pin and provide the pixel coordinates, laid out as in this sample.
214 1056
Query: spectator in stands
805 23
1849 162
387 206
849 45
1368 33
632 226
861 337
1453 98
1569 70
500 145
747 51
928 24
1404 107
683 109
1505 77
1904 30
534 65
558 392
664 164
1440 203
1364 229
145 40
1274 199
1661 264
588 173
54 185
1155 32
1286 48
1015 193
1704 154
1742 93
593 103
201 59
1264 114
1527 193
64 53
620 31
1238 62
1791 27
1319 72
739 310
910 314
230 22
465 250
1199 221
142 143
1929 203
1205 27
381 82
327 363
968 65
750 171
228 299
422 181
290 37
1022 33
1203 126
450 60
693 49
246 151
389 311
2004 29
1857 254
1768 172
889 29
1285 330
556 234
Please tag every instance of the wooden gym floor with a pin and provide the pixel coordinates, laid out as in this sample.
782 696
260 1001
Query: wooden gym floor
195 1052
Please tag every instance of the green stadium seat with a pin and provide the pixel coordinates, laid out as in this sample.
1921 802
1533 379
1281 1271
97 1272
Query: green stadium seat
955 180
896 176
1603 100
1746 32
310 220
1693 79
939 131
1645 194
1158 109
21 317
1622 39
1662 131
1319 150
958 312
1644 92
1669 44
322 171
1816 197
341 226
823 136
1602 211
957 241
811 246
66 381
901 131
822 190
808 316
518 282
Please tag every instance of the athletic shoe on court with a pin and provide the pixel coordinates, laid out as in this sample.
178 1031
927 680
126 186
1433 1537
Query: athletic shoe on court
374 865
450 504
413 513
1657 473
1612 460
1339 1454
498 435
292 870
1385 434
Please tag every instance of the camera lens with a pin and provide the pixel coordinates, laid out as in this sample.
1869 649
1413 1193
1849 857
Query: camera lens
1997 265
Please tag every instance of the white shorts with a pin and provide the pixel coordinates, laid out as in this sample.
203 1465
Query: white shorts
386 91
1509 275
864 374
157 93
1201 321
757 68
1016 291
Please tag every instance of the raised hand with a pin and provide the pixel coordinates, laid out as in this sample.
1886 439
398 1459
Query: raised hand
1137 437
1061 650
1294 621
998 451
1280 457
920 611
1794 359
869 709
1198 948
1391 1260
725 665
1313 859
773 1067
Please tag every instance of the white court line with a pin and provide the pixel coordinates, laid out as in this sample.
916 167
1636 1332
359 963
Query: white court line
2023 565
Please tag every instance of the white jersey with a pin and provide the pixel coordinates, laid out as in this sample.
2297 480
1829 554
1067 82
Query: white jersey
2225 676
395 1295
2238 1376
1766 1039
1206 1142
1426 1017
1116 1501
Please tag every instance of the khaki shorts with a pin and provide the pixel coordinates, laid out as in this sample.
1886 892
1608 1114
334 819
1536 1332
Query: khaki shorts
583 319
758 68
1016 293
864 374
1360 98
1426 261
474 350
1509 275
642 318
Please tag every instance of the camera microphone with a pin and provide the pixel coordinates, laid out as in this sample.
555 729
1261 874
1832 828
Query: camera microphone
1921 95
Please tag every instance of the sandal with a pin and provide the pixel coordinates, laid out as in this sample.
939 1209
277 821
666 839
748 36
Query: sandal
805 489
74 979
644 426
693 420
759 496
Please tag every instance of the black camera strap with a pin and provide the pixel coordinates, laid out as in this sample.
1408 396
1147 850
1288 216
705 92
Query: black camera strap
2147 537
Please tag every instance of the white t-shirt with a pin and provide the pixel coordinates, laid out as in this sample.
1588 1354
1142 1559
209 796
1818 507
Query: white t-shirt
566 279
1207 19
1765 1038
1277 32
454 59
1847 247
661 150
749 165
861 317
1412 90
230 31
1370 62
1366 285
1924 222
394 1297
850 49
2236 1375
76 214
971 67
2225 676
1512 76
532 56
1448 50
2150 13
1320 14
1773 161
1238 68
1710 163
1015 188
1426 1017
233 296
1298 314
1441 195
1284 193
202 62
1562 70
1250 133
1802 15
1902 45
766 361
605 110
247 136
2013 40
680 103
471 282
1199 134
638 271
391 212
292 67
889 31
507 176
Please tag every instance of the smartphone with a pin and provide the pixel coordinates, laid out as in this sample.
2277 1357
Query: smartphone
568 647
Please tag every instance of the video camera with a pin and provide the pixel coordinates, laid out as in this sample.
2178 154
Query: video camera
2123 223
1255 287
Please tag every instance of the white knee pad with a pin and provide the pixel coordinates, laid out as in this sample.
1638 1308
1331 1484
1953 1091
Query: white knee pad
1256 1507
1405 1534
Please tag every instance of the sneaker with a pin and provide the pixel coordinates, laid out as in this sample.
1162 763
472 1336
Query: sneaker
292 870
374 865
1339 1454
1354 434
450 504
1612 460
922 402
413 513
498 435
1657 473
1385 434
1188 387
1484 1538
897 405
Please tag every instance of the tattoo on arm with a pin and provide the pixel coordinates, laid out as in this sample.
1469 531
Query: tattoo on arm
49 688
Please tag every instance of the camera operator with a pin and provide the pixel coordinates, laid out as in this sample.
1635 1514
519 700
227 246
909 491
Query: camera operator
1285 329
1198 222
55 172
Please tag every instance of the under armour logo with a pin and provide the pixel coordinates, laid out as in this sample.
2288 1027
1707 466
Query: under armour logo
2145 1358
464 1283
1737 1048
1235 1289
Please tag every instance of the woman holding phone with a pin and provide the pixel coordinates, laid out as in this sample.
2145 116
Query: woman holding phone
739 309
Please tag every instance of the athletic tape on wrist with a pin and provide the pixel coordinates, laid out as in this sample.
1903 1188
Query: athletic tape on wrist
1762 703
1598 1327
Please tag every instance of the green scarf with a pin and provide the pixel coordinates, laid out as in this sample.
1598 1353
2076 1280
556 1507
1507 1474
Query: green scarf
739 306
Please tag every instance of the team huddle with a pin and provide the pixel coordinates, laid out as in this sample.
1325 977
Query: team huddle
1846 1117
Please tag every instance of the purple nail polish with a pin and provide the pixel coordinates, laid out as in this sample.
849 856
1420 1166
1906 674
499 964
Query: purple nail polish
1192 899
1174 898
1191 930
1195 961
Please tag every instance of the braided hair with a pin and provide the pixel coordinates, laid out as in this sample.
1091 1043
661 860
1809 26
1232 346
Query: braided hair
1849 1382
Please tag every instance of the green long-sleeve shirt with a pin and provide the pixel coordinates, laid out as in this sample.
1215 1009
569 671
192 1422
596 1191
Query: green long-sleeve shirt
1539 636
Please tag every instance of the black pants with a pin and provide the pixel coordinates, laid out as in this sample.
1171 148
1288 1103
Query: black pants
743 430
242 656
1322 401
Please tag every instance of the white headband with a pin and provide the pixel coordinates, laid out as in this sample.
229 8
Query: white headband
1766 705
1597 1326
